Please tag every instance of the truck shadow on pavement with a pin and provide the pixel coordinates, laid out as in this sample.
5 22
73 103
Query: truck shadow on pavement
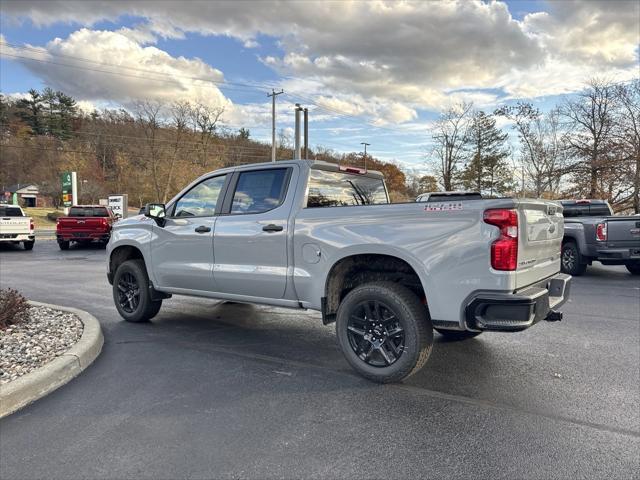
296 342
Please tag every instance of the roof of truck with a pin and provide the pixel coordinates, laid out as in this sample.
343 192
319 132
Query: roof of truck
320 165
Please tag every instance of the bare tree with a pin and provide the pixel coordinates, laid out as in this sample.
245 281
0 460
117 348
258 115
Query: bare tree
205 120
627 133
542 146
449 137
180 113
148 114
590 118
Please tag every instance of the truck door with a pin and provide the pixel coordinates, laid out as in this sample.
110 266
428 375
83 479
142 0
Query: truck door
250 239
182 252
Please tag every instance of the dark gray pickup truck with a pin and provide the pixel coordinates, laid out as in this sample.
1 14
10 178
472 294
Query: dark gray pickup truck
593 233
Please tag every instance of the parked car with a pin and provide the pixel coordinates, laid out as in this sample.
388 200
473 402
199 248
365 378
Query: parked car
16 227
448 196
85 224
313 235
594 233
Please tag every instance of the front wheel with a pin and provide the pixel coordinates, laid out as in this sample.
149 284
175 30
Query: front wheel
456 335
571 261
29 245
384 331
131 292
634 268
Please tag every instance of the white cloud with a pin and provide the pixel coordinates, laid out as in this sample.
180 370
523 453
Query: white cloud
400 56
118 68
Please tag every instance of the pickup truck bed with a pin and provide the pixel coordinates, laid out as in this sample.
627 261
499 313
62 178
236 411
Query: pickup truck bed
314 235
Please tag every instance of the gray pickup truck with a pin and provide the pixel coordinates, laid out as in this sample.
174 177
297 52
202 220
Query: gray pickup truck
593 233
313 235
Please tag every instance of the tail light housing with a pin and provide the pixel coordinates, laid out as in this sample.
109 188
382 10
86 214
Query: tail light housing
32 225
105 223
504 250
601 232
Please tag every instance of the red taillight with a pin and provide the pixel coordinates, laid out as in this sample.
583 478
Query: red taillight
105 222
32 226
504 251
601 232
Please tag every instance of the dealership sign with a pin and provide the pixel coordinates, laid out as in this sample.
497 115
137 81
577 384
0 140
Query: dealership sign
119 205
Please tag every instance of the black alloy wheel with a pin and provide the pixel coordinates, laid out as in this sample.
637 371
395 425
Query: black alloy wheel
128 293
375 333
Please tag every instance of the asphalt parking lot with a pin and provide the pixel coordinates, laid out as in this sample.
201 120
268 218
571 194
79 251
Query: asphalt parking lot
221 390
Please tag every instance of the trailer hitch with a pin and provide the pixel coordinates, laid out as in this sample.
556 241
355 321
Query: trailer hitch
553 316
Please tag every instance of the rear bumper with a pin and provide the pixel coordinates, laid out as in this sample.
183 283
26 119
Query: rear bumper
618 256
17 237
83 236
510 312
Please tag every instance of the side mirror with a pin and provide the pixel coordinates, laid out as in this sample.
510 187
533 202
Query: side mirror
155 211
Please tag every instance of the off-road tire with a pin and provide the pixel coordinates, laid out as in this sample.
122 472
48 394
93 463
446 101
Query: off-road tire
411 314
456 335
146 308
29 244
571 260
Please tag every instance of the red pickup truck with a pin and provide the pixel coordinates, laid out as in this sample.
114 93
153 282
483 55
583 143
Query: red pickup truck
85 224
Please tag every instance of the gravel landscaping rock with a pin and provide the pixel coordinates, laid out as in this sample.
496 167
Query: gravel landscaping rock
30 344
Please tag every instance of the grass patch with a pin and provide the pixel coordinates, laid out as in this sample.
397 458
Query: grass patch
39 215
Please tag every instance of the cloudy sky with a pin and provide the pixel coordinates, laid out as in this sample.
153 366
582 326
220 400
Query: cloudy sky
368 71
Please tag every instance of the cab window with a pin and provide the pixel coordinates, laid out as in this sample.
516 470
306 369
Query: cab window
259 191
201 200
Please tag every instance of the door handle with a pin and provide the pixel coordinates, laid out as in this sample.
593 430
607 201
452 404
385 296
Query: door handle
203 229
273 228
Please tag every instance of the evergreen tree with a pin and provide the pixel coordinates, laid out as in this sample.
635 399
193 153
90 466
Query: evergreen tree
487 170
30 111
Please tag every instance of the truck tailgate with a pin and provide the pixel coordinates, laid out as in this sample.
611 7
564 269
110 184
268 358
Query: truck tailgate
541 228
81 224
15 225
623 230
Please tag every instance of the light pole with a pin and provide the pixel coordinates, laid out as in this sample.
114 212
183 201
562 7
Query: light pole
273 96
365 154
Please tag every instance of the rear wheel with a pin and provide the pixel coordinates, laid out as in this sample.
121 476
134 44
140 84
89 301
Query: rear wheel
456 335
572 262
29 245
384 331
131 292
64 245
634 268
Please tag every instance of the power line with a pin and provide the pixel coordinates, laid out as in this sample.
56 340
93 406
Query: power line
87 152
223 84
130 137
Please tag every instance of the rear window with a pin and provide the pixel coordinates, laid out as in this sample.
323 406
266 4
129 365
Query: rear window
88 212
338 189
586 210
6 211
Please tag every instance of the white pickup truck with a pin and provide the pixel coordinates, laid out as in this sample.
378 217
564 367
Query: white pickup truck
16 227
314 235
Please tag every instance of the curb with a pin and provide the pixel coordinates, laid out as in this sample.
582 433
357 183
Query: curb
38 383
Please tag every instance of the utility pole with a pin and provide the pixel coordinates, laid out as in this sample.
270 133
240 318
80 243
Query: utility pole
297 153
306 134
273 96
365 154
